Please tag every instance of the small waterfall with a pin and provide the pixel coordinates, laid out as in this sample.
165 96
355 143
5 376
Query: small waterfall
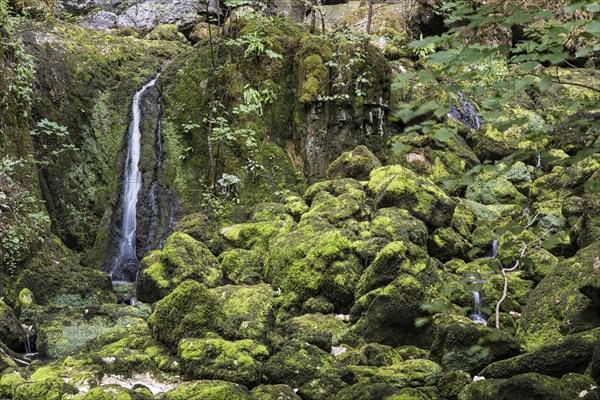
477 316
493 251
466 113
539 160
126 263
29 348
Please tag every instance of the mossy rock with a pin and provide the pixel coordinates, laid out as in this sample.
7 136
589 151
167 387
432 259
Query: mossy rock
314 260
335 187
257 234
317 305
241 266
182 258
387 314
274 392
397 186
464 219
556 306
525 386
451 383
397 224
565 181
49 389
166 32
208 390
9 382
410 373
55 274
537 264
295 206
446 243
368 249
518 291
197 225
435 159
494 191
590 220
379 355
321 330
337 209
356 164
456 338
214 358
489 143
12 333
298 363
189 311
248 311
394 259
109 392
572 354
369 391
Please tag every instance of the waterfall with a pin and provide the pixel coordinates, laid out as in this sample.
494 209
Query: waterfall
125 266
477 316
493 251
466 113
539 160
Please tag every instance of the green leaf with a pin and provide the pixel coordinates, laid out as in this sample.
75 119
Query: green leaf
528 66
421 321
518 17
398 147
544 83
593 27
442 57
594 7
445 134
575 6
557 57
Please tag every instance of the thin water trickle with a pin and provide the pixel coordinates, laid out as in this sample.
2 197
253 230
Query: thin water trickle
539 160
126 262
477 316
493 251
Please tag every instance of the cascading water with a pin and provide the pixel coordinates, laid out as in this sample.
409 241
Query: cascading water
493 251
126 263
538 164
477 315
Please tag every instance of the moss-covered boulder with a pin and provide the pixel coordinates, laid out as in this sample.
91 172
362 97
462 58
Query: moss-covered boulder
464 219
9 382
295 206
248 311
456 338
410 373
565 181
397 224
369 391
356 164
394 259
314 260
321 330
108 392
590 220
182 258
397 186
494 191
208 390
446 243
525 386
12 333
429 156
387 314
54 274
379 355
299 364
50 389
572 354
214 358
197 225
242 266
166 32
451 383
189 311
257 235
556 306
274 392
336 207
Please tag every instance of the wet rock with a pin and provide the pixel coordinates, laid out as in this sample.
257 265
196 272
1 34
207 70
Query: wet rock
572 354
397 186
12 333
530 386
182 258
214 358
189 311
356 164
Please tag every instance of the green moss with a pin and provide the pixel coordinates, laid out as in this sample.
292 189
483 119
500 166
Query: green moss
274 392
215 358
209 390
248 311
182 258
50 389
321 330
532 385
446 243
242 266
356 164
411 373
396 224
166 32
397 186
189 311
495 191
9 382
